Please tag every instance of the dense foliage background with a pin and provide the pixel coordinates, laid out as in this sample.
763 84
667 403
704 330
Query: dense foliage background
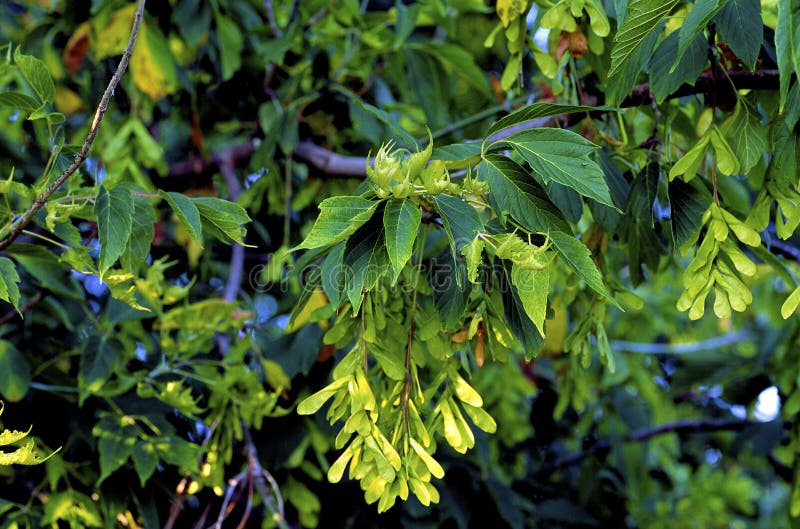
562 295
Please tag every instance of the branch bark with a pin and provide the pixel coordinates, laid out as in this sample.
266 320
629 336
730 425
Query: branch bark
87 144
337 165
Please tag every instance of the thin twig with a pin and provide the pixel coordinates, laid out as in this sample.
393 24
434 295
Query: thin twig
87 144
681 348
26 307
681 426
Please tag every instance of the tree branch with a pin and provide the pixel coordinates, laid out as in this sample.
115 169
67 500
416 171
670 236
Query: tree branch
338 165
87 144
680 427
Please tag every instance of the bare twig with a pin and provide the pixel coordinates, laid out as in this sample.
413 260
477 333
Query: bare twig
337 165
87 144
681 348
22 310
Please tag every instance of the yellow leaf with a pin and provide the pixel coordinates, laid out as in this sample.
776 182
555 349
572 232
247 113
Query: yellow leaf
510 10
316 300
67 101
112 38
152 65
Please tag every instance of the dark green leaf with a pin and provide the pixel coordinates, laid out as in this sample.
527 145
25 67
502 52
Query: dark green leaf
225 217
99 358
401 220
515 193
637 230
339 218
688 202
365 261
740 26
142 233
460 220
15 374
562 156
186 211
566 199
114 210
787 44
403 138
694 24
451 294
517 319
579 258
609 218
663 81
333 275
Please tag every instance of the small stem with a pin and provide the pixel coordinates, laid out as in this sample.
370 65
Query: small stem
44 238
87 144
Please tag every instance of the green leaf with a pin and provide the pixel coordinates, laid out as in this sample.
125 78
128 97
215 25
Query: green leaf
619 85
16 373
186 211
100 357
401 135
515 193
457 62
9 279
740 26
37 75
727 160
790 305
313 403
451 293
401 220
365 261
18 100
787 45
609 218
579 258
532 287
145 460
641 18
461 222
227 218
746 136
339 218
231 44
114 452
515 315
536 111
562 156
691 161
663 80
695 23
458 155
114 210
44 266
142 233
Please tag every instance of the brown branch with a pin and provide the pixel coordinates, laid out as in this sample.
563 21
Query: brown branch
337 165
680 427
708 83
87 144
22 310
